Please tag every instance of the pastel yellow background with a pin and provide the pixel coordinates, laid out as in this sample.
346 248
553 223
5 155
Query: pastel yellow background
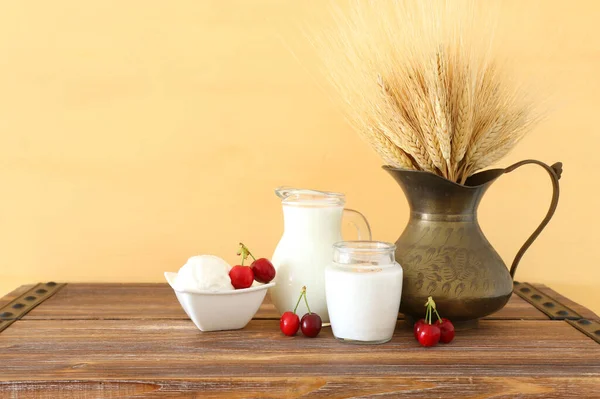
134 134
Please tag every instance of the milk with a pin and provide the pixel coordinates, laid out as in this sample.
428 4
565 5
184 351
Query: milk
363 301
303 253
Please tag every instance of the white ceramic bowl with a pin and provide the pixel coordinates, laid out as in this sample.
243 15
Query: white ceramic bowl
216 311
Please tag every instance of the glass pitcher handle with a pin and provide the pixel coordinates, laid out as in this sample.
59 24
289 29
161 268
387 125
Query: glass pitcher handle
361 223
555 172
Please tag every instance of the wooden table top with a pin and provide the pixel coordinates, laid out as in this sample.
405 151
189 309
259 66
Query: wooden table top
124 340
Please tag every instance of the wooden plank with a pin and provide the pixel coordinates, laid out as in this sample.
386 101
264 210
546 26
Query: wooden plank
157 301
111 301
533 358
40 350
582 310
326 386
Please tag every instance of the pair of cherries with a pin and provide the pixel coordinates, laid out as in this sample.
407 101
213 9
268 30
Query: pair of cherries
428 333
260 269
310 324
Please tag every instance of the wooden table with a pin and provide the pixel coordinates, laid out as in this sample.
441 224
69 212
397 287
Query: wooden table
133 340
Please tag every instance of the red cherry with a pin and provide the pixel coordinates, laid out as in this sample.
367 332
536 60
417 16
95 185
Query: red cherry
446 330
289 323
311 324
417 327
429 335
241 276
263 269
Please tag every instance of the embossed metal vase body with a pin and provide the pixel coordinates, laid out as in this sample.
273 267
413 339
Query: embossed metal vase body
443 251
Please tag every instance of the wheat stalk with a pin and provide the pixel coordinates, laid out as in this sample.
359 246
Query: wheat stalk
421 84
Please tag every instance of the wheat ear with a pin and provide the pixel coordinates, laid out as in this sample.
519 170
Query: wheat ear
440 111
402 134
464 121
386 149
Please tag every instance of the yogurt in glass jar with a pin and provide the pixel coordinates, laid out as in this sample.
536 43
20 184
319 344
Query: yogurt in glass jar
363 286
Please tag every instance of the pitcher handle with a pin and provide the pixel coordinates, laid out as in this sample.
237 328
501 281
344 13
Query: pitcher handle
554 172
363 220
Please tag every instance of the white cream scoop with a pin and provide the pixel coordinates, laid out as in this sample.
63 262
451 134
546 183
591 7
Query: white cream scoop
204 273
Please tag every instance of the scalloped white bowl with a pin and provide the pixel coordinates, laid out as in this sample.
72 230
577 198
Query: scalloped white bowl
217 311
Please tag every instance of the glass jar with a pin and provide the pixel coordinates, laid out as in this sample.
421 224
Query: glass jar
363 287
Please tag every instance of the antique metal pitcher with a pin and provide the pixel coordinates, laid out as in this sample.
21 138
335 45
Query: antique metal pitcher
443 251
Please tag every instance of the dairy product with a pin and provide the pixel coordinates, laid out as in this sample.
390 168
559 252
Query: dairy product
302 255
204 273
363 301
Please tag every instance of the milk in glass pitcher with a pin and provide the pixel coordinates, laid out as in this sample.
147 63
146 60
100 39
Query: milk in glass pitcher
312 224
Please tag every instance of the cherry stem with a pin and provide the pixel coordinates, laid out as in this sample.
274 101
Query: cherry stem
305 300
300 298
247 251
430 304
244 252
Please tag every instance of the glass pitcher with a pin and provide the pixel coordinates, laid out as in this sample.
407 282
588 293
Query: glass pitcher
312 222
